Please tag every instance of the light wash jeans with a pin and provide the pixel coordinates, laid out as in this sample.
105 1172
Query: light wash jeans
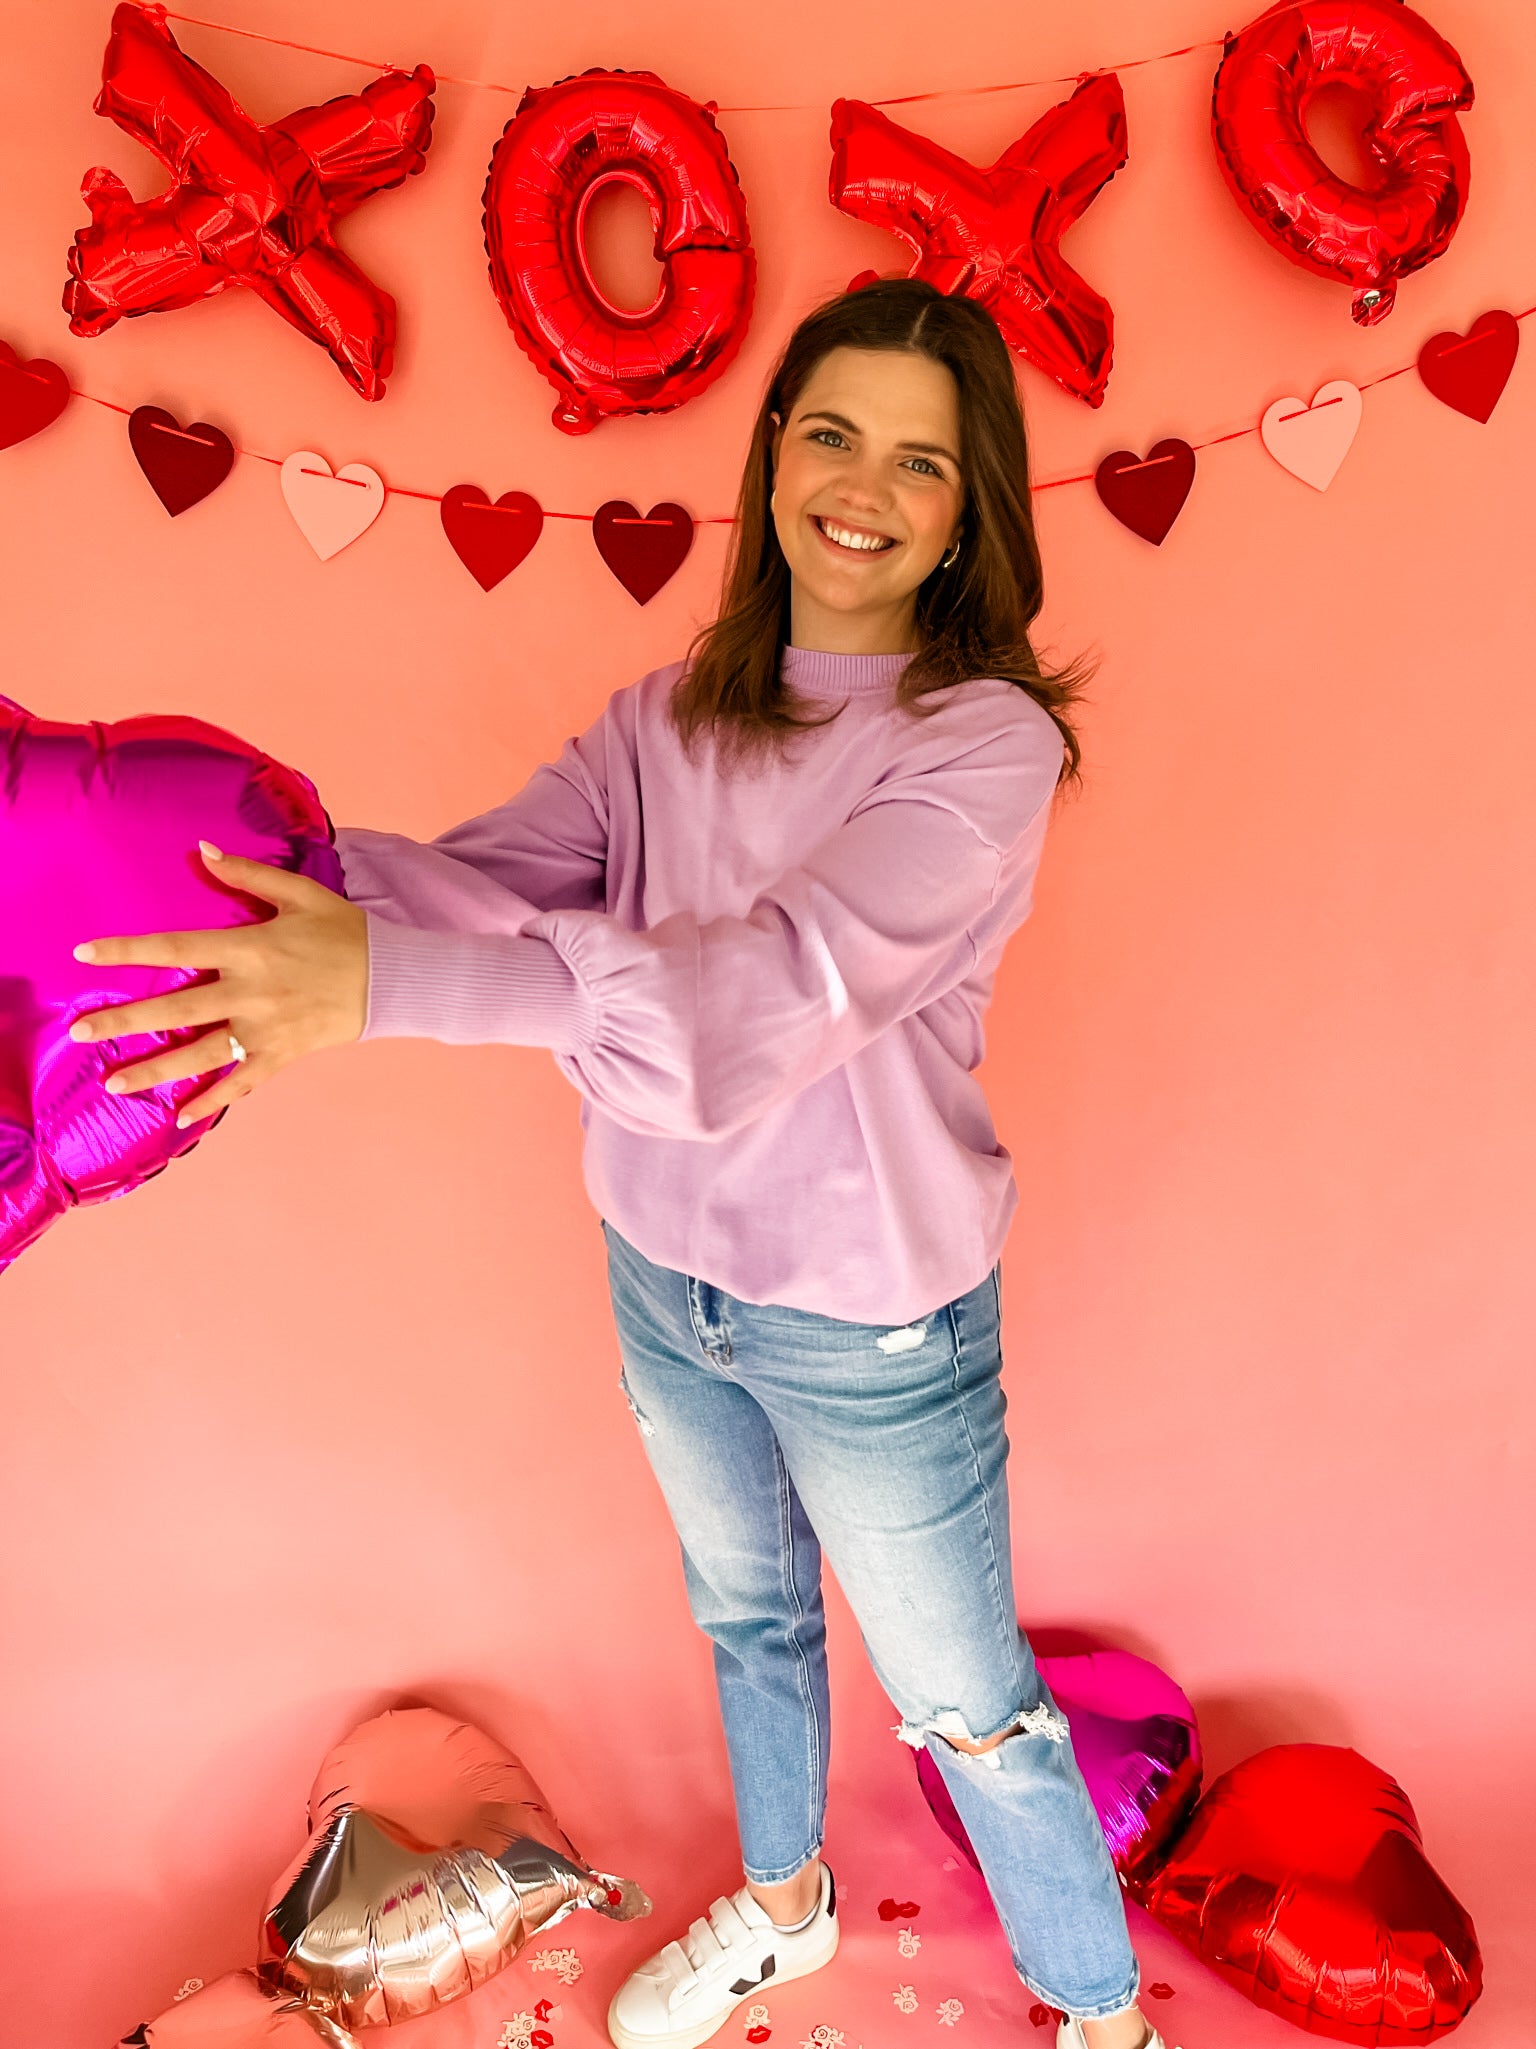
777 1432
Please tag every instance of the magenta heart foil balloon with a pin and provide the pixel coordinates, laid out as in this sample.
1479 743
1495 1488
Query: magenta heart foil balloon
1136 1744
99 826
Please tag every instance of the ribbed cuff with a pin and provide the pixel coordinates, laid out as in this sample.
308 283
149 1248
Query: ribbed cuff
474 989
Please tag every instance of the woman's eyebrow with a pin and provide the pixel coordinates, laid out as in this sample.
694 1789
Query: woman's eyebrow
921 447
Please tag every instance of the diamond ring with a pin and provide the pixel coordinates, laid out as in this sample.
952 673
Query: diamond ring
236 1051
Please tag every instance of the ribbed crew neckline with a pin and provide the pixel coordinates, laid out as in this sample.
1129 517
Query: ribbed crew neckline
814 670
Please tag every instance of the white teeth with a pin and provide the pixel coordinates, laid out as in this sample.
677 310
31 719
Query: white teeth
869 544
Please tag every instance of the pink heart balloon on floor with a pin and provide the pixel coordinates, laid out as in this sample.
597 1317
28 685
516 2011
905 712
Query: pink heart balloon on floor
1135 1741
99 827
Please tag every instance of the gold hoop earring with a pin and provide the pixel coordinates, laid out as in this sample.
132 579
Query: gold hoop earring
949 559
773 499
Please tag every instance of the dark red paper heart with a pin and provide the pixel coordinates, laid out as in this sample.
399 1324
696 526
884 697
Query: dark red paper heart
32 394
897 1910
183 464
642 550
1302 1880
1468 371
1147 492
490 539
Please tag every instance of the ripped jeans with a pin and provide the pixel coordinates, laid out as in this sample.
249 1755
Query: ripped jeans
774 1433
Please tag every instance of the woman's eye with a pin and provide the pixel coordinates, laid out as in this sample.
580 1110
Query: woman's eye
817 432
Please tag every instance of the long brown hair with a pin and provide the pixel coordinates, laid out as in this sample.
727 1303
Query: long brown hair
972 619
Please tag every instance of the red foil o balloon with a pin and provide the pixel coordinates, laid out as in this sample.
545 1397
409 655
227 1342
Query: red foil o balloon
563 145
1301 1879
1416 83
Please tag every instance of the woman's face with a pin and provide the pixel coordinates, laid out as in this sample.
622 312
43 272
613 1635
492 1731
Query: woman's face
871 452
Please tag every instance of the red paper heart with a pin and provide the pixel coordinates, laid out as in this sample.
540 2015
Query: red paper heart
1147 492
490 540
1468 371
31 395
642 550
183 464
1301 1879
897 1910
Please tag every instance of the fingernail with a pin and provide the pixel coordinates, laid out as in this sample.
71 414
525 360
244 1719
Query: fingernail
210 850
116 1084
85 952
80 1029
184 1120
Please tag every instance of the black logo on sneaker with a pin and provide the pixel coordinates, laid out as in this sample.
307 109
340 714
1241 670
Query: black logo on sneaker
751 1984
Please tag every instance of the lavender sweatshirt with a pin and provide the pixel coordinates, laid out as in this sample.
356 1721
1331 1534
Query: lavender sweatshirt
768 987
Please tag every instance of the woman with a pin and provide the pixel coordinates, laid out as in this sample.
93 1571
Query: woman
755 911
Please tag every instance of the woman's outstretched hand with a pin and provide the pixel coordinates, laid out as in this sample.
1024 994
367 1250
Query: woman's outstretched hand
288 986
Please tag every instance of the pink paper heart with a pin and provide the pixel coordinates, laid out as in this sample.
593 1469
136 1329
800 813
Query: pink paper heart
331 507
1312 440
99 827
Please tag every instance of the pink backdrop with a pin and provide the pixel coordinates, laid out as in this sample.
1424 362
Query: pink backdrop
278 1428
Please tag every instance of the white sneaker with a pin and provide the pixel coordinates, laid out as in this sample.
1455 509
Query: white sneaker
1069 2035
691 1986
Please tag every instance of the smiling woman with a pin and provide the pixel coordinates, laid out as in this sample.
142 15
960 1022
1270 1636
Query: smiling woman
770 994
884 508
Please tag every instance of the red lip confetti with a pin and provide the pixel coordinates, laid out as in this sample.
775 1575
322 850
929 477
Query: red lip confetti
897 1910
1160 1990
758 2034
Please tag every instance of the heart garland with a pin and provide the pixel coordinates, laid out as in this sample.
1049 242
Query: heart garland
183 464
490 547
642 549
330 507
1467 372
32 395
1147 493
1312 440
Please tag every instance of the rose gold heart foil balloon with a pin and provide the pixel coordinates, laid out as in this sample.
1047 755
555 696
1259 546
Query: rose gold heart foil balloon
432 1859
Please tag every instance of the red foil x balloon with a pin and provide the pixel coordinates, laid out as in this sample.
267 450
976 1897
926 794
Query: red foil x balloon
250 205
994 234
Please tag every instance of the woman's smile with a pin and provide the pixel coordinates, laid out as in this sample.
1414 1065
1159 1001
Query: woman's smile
852 540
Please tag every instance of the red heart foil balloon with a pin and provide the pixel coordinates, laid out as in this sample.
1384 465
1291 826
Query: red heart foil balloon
642 549
490 540
1136 1744
99 827
1468 371
183 464
1302 1880
1147 492
32 394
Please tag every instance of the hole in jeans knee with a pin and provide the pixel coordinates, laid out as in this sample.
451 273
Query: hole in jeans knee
951 1726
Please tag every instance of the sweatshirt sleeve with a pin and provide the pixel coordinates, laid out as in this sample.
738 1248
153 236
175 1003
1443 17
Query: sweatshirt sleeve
546 847
694 1028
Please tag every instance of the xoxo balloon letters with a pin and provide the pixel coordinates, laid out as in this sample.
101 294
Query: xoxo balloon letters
256 204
